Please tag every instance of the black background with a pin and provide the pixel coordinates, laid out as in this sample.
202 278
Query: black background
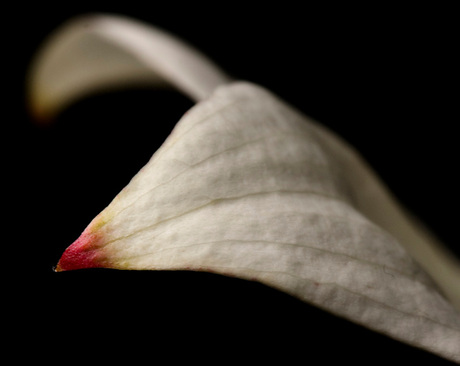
384 78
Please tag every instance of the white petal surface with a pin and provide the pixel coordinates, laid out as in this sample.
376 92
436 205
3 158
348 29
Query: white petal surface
96 52
245 186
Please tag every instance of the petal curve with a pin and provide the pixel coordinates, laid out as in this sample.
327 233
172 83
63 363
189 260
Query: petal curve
97 52
246 186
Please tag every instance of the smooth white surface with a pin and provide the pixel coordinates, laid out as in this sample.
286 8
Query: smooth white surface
98 52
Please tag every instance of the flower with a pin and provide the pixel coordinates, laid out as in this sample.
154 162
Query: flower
247 186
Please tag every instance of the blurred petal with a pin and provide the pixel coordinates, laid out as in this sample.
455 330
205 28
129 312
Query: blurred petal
97 52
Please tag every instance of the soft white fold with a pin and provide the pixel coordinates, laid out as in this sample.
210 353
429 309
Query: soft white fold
97 52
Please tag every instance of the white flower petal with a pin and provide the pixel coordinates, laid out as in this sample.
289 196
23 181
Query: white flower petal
245 186
95 52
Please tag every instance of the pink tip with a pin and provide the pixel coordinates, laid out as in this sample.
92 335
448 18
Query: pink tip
83 253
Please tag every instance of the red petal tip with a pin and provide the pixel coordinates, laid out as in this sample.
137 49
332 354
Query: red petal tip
83 253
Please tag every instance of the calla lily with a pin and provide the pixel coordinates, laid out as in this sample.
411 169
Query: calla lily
247 186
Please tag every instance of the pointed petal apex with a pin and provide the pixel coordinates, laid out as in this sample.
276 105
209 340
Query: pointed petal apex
83 253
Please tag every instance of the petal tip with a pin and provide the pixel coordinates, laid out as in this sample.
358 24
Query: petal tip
42 112
83 253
